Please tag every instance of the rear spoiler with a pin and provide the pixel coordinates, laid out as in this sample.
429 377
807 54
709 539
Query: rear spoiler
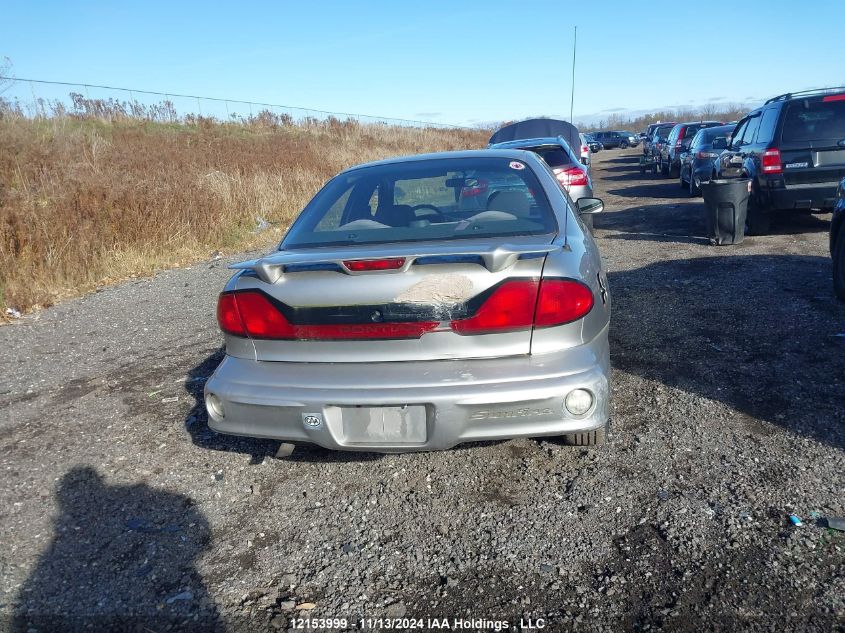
270 268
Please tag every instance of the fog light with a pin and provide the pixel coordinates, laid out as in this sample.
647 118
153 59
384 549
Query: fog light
578 401
214 405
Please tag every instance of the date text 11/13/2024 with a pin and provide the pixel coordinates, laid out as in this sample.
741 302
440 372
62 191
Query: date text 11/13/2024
424 624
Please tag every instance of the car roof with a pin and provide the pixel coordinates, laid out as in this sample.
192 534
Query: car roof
716 129
813 93
518 154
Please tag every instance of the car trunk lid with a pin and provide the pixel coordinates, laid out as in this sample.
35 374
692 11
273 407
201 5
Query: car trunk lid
391 302
812 146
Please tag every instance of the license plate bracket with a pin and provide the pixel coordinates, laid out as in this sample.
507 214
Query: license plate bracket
395 425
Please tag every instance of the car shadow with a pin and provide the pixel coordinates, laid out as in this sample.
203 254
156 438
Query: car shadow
661 187
684 222
633 170
759 333
259 449
122 558
785 223
679 223
631 158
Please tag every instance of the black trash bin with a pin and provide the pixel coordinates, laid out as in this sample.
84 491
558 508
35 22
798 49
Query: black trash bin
726 204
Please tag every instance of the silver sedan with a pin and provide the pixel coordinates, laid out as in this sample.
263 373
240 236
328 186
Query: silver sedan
417 303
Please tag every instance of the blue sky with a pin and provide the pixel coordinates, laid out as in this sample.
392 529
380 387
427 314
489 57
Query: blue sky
448 61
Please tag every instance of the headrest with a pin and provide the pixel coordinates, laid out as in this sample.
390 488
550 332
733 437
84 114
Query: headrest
515 202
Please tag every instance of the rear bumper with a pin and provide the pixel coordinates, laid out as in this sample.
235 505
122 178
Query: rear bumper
702 171
804 197
464 400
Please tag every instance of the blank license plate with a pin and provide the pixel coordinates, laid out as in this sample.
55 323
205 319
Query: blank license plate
384 425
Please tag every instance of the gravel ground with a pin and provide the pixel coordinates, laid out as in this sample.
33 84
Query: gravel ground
119 509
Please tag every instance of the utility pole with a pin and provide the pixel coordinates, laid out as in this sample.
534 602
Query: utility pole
572 100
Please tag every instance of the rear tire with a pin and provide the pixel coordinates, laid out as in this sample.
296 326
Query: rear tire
596 437
623 145
694 190
664 167
757 221
672 172
839 264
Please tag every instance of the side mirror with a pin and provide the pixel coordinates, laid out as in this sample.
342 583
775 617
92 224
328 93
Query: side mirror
589 205
720 143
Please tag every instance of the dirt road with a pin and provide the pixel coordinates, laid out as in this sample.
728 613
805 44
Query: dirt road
119 508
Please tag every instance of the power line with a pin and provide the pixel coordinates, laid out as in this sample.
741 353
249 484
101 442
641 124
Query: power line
168 95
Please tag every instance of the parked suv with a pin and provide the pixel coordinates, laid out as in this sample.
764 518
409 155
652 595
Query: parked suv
614 139
658 138
633 139
648 135
679 140
793 150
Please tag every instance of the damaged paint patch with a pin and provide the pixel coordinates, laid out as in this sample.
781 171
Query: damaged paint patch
452 288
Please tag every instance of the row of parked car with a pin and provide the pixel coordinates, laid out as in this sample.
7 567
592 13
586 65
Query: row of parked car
791 149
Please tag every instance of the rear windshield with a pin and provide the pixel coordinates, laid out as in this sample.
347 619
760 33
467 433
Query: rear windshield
663 130
554 155
695 127
709 134
441 199
814 121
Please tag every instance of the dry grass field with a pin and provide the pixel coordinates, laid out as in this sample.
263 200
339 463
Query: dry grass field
87 200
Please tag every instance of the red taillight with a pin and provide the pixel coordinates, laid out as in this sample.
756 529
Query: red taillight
509 308
228 317
260 317
585 149
834 98
363 265
771 162
476 189
571 177
521 304
562 301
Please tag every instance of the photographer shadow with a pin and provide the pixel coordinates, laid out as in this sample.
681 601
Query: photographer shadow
122 558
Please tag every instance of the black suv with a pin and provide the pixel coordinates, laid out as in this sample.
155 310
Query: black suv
793 150
612 139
